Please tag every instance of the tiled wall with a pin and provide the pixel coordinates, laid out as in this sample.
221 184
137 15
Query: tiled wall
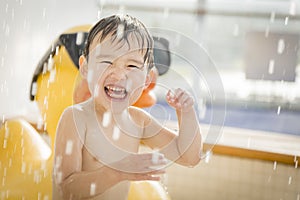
226 177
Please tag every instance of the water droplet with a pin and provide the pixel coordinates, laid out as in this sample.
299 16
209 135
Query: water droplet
128 85
56 50
22 142
3 181
46 197
292 10
120 31
275 165
39 196
106 119
52 76
249 142
280 46
79 38
116 133
7 30
58 161
278 110
286 21
6 135
236 30
155 156
4 143
271 66
121 9
50 62
69 147
23 167
207 156
99 13
290 180
9 162
4 171
90 76
44 12
272 17
40 123
12 13
269 179
34 89
59 177
2 61
93 189
166 12
36 176
6 8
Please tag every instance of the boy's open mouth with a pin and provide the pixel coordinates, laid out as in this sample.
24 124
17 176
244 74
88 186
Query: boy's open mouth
115 92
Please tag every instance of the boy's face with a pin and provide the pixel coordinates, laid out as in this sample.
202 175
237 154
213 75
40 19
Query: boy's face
116 72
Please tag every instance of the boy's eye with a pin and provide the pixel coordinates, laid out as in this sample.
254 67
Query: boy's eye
134 66
106 62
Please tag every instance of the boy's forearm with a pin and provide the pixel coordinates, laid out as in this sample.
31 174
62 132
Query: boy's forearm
189 142
82 185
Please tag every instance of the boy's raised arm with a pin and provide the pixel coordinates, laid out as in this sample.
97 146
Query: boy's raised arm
185 146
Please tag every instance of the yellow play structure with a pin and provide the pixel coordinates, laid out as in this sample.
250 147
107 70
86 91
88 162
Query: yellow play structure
25 158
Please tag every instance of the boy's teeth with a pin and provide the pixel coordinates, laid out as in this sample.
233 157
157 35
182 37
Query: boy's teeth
115 91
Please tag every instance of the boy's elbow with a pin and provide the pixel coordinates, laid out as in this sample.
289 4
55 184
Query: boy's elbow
190 162
194 162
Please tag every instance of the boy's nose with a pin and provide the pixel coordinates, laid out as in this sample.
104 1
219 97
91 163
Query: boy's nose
118 74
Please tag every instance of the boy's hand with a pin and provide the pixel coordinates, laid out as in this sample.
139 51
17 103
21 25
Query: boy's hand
180 99
137 167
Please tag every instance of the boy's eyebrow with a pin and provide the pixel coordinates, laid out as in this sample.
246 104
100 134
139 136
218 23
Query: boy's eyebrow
136 61
110 57
103 56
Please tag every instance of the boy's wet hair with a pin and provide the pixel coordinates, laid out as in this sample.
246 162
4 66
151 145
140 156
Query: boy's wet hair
120 27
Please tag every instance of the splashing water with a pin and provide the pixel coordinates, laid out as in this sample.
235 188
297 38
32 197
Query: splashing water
120 31
155 156
278 110
275 165
23 167
90 75
52 76
116 133
236 30
93 189
69 147
79 38
290 180
106 119
292 10
166 13
50 63
280 46
271 66
286 21
272 16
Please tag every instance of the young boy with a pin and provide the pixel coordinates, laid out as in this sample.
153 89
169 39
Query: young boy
97 141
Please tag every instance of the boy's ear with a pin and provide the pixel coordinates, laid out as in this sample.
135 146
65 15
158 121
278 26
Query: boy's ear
83 68
151 78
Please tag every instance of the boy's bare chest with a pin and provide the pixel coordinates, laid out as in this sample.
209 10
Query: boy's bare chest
109 144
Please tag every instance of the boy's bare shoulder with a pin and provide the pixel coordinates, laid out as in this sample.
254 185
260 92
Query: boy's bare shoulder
139 115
